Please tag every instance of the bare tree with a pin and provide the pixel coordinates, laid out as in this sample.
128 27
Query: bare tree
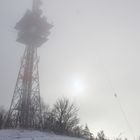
66 116
45 110
101 135
48 118
87 134
2 116
78 131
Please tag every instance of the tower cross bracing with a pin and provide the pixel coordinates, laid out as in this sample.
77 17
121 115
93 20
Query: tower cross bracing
25 109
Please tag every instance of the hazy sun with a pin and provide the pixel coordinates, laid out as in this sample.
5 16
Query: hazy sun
77 86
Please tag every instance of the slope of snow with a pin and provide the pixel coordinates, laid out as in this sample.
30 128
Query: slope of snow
31 135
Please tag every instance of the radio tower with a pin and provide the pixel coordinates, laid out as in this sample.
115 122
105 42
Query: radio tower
25 109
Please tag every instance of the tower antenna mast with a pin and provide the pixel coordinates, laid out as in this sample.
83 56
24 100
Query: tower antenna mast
36 5
25 108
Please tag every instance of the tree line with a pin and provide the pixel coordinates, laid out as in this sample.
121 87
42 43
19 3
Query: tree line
62 119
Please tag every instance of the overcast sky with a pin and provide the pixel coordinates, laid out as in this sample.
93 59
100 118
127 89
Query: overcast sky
92 53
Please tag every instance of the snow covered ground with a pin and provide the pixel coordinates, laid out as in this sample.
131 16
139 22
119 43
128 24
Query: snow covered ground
31 135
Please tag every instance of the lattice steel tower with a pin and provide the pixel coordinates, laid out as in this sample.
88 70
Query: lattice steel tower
25 110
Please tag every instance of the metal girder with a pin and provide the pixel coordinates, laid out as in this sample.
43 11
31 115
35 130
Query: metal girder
25 109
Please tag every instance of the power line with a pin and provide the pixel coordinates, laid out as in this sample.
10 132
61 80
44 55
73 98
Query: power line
124 114
116 96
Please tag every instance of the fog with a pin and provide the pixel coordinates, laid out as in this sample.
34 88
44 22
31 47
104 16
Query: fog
91 54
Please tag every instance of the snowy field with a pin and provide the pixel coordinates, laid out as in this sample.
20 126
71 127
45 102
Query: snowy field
31 135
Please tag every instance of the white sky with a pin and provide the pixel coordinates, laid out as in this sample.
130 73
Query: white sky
92 52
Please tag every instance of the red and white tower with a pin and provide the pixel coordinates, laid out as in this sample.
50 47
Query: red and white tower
25 109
